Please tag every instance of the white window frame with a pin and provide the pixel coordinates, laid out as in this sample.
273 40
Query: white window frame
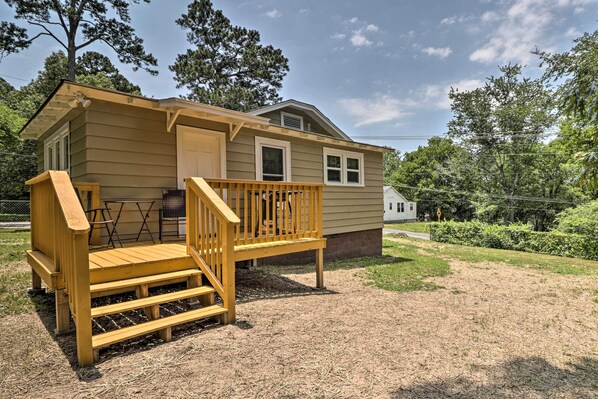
272 143
344 155
62 136
282 115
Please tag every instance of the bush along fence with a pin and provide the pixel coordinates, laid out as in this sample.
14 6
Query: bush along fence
14 210
516 237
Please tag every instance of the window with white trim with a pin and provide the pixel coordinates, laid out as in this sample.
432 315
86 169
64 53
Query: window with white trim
400 207
272 159
57 150
343 167
291 120
411 206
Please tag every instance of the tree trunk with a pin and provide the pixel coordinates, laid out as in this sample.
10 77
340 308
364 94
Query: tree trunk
70 62
511 216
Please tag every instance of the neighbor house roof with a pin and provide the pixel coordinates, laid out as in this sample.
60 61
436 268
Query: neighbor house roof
309 109
387 188
69 95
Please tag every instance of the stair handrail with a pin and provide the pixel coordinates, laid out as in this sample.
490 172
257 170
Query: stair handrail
59 229
210 239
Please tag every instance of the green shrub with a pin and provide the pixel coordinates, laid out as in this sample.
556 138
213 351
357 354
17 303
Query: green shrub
516 237
582 219
8 217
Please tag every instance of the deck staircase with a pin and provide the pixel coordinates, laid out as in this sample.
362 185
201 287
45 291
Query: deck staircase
193 293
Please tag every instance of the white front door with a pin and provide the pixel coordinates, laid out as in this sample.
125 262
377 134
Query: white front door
200 153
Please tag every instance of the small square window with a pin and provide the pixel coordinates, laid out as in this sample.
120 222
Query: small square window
343 167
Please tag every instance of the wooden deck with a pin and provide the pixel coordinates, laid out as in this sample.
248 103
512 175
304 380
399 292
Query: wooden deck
258 220
137 260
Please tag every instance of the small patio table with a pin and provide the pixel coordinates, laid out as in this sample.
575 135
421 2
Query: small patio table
144 215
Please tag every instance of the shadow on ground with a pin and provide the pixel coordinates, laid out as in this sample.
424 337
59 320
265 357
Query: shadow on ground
341 264
530 377
257 284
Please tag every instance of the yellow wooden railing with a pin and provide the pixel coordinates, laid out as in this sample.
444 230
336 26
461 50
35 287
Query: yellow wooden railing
210 239
272 211
59 229
90 197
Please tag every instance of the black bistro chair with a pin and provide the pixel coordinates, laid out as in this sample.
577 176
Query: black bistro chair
92 217
173 211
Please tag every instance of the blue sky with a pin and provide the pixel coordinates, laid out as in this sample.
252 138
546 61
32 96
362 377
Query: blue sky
376 68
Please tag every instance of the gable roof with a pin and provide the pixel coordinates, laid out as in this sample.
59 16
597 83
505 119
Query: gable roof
309 109
67 94
388 188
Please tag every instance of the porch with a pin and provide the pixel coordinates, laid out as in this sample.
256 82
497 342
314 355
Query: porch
226 221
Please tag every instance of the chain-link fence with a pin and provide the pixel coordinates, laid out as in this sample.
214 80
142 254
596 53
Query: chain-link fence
14 210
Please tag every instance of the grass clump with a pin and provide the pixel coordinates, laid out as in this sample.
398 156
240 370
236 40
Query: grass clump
407 271
415 227
15 277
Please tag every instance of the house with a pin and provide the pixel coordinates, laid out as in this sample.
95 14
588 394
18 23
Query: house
281 184
396 206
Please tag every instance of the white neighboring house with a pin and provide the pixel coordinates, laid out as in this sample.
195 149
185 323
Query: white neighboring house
397 208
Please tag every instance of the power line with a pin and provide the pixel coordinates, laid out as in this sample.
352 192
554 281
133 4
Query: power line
13 77
511 197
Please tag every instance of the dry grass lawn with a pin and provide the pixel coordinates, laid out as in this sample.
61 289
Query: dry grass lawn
482 330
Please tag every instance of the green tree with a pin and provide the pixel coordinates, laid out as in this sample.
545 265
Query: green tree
501 125
582 219
67 20
391 162
93 63
14 168
439 173
578 96
229 67
92 68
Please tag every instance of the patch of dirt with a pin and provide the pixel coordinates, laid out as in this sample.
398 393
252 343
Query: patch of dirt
495 331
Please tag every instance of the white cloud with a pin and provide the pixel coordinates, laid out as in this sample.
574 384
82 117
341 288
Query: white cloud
379 109
274 13
440 52
572 33
359 40
524 25
455 19
338 36
437 95
354 20
304 11
490 16
372 28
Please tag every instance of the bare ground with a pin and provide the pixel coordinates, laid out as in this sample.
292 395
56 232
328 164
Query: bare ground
494 331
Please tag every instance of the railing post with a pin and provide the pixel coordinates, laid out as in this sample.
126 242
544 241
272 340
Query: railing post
95 204
228 271
82 299
320 212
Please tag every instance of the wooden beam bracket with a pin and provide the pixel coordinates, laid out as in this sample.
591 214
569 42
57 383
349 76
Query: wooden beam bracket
171 119
235 130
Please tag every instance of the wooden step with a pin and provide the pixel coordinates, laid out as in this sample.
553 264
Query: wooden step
112 337
150 301
134 282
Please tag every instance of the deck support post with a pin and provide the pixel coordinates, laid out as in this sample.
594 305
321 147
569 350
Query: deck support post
63 312
320 268
152 312
36 284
